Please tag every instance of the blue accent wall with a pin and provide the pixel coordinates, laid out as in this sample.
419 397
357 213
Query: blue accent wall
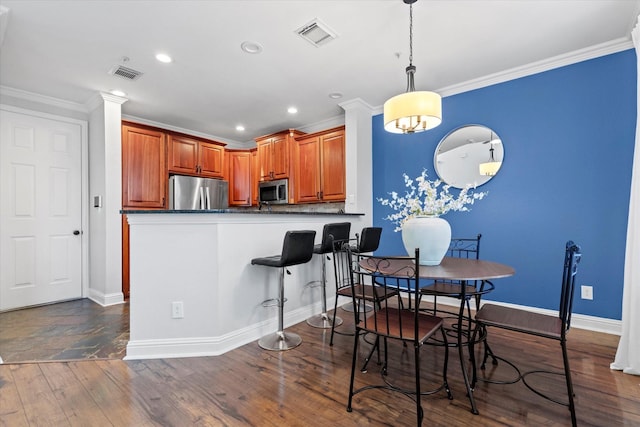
568 137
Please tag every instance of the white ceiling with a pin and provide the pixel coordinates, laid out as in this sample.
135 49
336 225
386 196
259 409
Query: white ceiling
64 50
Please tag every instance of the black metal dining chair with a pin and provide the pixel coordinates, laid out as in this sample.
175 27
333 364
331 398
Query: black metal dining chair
365 292
393 322
460 248
536 324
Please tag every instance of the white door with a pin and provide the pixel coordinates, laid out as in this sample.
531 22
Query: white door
40 210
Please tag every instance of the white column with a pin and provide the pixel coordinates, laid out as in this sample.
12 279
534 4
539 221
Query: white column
358 128
105 181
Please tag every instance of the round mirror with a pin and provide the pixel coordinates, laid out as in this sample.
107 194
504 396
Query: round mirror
468 155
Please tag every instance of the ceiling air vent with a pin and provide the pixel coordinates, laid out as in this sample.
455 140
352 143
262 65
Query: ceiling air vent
125 73
316 32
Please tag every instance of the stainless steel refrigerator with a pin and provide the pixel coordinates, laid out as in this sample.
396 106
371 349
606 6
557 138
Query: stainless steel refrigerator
192 193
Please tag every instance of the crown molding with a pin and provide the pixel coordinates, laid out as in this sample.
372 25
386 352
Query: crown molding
558 61
42 99
230 142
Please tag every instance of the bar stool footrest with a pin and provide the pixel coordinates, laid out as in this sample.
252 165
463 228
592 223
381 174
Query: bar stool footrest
273 302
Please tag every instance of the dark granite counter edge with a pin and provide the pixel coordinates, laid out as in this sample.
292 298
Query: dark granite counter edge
233 211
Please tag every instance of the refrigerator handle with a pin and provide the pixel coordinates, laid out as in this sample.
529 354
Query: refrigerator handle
207 198
201 191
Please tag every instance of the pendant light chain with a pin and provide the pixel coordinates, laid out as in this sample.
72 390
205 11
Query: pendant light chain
411 34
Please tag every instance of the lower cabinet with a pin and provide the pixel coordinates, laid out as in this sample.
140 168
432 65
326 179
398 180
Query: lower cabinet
320 167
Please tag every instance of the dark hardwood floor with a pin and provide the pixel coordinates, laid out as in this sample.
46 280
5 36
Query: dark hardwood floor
307 386
79 329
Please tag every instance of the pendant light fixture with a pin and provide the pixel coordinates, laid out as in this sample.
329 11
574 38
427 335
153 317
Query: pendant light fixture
412 111
491 167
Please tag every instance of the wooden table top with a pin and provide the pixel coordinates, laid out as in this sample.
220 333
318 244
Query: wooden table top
451 268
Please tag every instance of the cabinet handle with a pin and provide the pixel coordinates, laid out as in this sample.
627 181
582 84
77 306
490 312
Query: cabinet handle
321 195
318 195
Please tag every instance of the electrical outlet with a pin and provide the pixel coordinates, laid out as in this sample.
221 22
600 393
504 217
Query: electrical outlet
177 310
586 292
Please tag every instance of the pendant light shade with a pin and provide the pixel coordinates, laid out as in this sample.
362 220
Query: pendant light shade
412 111
491 167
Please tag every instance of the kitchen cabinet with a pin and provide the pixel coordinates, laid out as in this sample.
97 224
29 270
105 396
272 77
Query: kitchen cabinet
274 152
193 156
239 177
255 179
144 168
320 167
144 179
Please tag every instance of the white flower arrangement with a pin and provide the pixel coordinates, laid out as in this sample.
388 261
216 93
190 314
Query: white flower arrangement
422 199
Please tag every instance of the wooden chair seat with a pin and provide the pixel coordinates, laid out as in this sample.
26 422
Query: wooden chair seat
447 289
367 292
520 321
398 323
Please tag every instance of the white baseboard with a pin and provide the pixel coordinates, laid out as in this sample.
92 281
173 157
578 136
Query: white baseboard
215 346
106 299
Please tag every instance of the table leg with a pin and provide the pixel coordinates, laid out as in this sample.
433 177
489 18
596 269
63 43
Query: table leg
474 410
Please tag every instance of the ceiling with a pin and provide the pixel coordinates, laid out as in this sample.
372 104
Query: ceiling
65 49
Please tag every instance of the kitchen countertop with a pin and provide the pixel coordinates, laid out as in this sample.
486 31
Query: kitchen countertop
234 211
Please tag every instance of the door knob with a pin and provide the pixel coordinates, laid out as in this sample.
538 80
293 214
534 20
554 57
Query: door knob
76 232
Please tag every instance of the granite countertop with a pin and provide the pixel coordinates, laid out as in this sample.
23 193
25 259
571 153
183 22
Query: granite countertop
234 211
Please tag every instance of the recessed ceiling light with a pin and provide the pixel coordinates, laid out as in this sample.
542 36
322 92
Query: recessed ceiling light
240 128
292 110
117 92
163 57
335 95
251 47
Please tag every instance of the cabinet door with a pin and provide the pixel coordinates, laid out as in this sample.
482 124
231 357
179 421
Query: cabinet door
264 160
144 176
280 156
239 178
255 178
211 160
308 171
183 155
332 168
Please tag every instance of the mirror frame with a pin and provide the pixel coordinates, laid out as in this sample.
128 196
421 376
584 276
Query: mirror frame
463 149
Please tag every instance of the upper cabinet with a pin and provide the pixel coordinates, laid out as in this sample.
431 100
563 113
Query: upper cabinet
240 163
320 167
192 156
273 155
144 168
255 179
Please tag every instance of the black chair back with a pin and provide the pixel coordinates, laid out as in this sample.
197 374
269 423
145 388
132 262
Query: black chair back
465 247
389 275
297 247
572 257
369 240
333 232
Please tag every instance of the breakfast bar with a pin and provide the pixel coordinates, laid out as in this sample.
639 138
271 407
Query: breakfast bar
194 291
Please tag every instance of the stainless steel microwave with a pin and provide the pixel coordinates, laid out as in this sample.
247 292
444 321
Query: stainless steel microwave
274 192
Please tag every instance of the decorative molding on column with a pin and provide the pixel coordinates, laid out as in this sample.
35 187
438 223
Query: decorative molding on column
356 103
99 98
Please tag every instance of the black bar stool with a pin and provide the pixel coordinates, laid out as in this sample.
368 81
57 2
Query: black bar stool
296 249
334 232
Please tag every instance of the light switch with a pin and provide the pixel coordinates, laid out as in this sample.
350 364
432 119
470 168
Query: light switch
97 201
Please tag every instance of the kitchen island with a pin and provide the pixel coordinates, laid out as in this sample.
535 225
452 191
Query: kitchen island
194 291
